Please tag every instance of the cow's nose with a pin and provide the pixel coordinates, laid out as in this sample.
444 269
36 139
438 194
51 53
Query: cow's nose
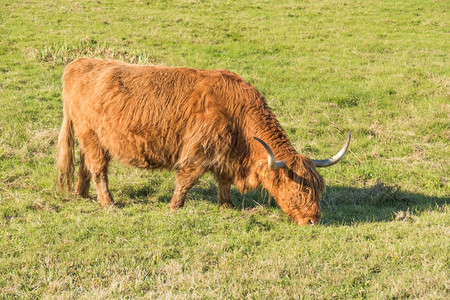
310 220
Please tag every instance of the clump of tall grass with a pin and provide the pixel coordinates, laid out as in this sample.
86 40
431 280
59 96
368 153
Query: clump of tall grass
61 54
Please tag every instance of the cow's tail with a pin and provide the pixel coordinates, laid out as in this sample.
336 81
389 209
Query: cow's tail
64 153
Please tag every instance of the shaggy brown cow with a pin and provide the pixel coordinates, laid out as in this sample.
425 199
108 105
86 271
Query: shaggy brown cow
188 120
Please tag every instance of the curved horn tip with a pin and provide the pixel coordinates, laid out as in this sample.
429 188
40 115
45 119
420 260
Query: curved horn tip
335 159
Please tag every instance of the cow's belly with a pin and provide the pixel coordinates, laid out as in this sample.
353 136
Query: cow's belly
138 150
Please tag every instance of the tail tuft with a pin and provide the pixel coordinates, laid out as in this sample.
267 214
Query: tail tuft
64 152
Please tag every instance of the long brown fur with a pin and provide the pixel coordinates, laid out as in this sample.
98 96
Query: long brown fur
188 120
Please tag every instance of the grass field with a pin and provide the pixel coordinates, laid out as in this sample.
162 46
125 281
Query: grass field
379 69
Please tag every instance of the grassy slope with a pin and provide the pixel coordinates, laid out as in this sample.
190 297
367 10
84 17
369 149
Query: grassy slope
379 69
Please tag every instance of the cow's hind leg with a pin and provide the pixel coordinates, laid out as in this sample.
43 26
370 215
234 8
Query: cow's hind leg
84 178
186 178
96 160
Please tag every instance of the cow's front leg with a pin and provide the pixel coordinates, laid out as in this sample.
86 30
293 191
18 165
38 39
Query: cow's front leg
224 193
185 179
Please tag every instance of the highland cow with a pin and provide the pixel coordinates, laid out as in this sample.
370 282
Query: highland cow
188 120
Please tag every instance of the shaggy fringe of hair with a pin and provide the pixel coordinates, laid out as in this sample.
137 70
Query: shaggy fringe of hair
311 187
309 190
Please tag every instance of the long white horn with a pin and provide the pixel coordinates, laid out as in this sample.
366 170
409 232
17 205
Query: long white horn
273 164
336 158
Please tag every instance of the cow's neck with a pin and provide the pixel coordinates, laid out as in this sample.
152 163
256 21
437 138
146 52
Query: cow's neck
262 125
266 127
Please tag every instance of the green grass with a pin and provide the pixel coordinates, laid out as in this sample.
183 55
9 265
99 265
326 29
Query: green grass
379 69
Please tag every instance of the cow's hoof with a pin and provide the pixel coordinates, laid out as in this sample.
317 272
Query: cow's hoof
106 202
175 206
227 205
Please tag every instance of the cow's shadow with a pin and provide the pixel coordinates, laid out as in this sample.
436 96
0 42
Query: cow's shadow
376 203
340 205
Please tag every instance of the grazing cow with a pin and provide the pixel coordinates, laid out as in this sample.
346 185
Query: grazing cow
188 120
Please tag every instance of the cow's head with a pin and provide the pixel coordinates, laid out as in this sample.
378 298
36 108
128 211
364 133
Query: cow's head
295 183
